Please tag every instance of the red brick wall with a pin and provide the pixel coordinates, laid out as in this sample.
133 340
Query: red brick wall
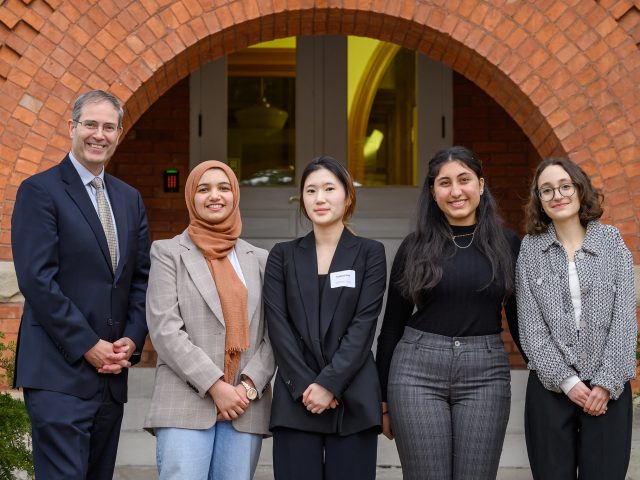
507 155
159 140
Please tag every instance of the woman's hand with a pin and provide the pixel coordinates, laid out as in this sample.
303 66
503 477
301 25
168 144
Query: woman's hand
317 399
597 402
387 429
579 394
228 399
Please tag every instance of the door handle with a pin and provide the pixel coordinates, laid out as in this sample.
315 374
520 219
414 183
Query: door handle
294 198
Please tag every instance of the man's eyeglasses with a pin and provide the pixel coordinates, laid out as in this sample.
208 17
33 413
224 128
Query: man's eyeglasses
546 194
93 126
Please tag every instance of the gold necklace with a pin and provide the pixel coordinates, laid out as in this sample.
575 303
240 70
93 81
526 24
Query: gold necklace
472 234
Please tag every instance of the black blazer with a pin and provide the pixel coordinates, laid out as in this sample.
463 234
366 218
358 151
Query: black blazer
72 296
328 343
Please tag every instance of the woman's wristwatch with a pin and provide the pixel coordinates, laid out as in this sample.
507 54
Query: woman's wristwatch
252 393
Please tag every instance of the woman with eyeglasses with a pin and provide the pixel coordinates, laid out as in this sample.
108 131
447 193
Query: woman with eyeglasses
577 310
443 369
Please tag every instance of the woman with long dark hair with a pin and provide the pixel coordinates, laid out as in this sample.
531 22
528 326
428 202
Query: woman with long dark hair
442 365
577 306
323 293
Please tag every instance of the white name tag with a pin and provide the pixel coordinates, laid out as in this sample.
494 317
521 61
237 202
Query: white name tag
345 278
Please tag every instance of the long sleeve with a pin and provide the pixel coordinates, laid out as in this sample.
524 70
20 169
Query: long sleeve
262 364
511 303
167 327
618 359
136 323
397 313
35 243
536 339
286 344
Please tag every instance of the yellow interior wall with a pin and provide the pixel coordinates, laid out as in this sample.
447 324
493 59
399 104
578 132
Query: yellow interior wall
359 52
288 42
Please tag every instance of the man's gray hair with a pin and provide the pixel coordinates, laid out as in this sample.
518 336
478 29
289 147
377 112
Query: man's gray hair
96 96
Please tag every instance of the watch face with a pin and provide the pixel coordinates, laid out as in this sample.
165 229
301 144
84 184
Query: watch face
252 393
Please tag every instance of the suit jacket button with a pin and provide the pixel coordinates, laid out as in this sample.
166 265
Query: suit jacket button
538 281
584 355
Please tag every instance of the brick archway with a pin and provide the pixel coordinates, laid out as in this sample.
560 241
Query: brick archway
567 72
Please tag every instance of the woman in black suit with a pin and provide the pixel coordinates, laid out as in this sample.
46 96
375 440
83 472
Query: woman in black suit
323 293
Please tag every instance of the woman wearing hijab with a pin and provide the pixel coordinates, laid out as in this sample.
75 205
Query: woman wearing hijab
212 394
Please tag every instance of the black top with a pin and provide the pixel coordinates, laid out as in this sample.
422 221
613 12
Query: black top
460 305
322 279
337 355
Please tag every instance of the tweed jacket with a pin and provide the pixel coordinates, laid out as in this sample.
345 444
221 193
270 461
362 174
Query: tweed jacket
187 329
604 349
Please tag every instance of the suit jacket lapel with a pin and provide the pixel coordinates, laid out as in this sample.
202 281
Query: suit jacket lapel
251 272
118 207
306 265
196 265
343 259
78 193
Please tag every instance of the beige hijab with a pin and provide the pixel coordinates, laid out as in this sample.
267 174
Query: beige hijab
216 241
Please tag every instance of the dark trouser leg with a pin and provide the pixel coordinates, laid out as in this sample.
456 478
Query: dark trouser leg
73 438
551 430
605 440
352 456
297 455
105 434
60 426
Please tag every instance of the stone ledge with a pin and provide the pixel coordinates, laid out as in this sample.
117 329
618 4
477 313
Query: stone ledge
9 291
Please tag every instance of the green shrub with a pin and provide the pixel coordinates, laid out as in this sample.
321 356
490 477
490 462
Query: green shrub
15 428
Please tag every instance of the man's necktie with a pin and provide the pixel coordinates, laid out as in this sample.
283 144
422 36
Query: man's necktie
105 218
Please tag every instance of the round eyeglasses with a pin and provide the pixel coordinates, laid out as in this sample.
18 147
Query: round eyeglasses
546 194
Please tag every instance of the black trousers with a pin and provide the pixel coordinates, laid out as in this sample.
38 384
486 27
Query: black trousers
74 439
316 456
565 443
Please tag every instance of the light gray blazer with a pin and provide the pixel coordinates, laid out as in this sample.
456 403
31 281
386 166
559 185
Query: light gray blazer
604 351
187 329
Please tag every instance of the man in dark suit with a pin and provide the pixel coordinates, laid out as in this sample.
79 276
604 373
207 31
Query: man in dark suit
81 251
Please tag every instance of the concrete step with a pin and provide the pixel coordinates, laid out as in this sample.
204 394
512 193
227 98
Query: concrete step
137 447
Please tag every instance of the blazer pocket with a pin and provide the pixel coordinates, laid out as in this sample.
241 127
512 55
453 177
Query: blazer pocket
547 291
